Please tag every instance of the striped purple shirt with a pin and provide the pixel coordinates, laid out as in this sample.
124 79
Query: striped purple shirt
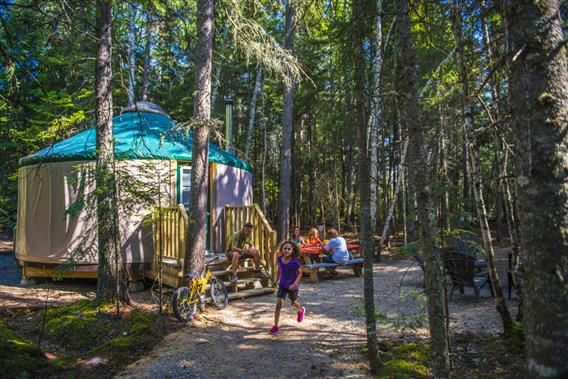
288 272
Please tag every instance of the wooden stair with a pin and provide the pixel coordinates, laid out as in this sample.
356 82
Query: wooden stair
170 226
248 284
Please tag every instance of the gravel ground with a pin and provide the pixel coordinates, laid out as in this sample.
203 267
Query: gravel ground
235 342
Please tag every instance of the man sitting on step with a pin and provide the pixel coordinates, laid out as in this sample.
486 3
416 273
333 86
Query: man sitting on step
241 246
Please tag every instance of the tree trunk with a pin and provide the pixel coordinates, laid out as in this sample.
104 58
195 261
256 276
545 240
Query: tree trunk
217 76
110 260
147 52
252 113
434 275
395 196
287 132
196 237
539 95
131 52
475 171
365 217
264 152
376 111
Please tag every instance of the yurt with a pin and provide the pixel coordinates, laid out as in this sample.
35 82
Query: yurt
56 221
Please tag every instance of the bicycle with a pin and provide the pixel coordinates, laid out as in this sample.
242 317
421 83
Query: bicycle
185 300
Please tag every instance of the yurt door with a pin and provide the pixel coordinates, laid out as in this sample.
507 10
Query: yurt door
184 185
183 191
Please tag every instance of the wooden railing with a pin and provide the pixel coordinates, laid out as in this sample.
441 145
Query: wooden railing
170 225
264 237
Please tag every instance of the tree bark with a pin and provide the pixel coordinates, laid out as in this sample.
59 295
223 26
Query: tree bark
434 272
217 76
539 95
131 52
376 111
475 171
365 217
147 56
196 237
110 261
252 114
287 132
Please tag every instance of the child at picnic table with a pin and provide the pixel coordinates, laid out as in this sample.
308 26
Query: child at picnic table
313 238
296 237
289 276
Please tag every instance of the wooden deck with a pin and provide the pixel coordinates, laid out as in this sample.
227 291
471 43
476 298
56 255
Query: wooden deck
170 225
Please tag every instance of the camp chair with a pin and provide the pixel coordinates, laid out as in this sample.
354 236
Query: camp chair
460 267
468 246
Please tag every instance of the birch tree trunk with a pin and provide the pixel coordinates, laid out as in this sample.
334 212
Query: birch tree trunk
131 52
395 196
376 111
196 234
147 56
365 217
110 261
264 151
539 95
287 131
475 170
252 114
434 272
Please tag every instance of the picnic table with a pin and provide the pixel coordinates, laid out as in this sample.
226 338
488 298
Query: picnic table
313 252
310 253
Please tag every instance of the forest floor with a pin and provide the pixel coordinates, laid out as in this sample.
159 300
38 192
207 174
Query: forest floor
330 342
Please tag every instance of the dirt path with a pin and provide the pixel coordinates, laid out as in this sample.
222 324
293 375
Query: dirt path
235 342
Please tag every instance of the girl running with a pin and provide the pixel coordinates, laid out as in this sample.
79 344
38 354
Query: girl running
289 276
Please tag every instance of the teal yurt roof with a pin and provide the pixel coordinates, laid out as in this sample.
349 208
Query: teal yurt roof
139 134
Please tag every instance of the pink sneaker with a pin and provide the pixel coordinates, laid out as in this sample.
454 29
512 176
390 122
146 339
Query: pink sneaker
274 329
301 314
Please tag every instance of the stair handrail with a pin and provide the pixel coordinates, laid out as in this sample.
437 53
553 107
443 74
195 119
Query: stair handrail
264 236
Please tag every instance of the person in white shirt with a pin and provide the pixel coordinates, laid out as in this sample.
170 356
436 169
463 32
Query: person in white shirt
336 249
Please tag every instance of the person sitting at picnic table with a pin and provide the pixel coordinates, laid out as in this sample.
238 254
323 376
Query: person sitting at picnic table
313 238
296 237
336 249
241 246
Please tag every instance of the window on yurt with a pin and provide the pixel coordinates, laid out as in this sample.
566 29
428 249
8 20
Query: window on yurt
185 186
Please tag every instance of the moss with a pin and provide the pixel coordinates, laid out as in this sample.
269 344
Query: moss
516 338
402 369
122 341
19 358
409 361
141 323
76 333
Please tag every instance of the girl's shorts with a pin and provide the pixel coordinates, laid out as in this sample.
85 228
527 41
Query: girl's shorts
282 292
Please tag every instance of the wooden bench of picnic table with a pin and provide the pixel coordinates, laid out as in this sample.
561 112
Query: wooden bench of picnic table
313 268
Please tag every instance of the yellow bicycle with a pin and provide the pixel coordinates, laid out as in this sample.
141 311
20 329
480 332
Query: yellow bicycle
185 300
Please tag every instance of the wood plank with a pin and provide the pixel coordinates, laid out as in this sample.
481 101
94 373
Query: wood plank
250 293
35 272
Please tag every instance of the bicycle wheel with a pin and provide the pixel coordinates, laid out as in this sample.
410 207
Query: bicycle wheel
219 295
184 304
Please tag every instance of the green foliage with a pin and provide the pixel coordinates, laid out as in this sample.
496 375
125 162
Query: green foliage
516 338
400 322
410 360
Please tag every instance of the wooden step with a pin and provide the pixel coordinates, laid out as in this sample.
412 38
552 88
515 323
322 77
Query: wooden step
250 293
225 272
244 281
